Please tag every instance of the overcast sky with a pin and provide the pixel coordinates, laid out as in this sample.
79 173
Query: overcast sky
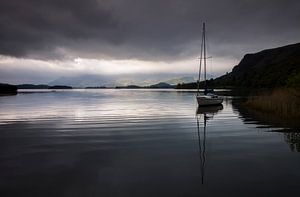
41 40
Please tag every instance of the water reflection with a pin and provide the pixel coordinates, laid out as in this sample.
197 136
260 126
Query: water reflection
249 116
293 139
138 143
289 127
206 113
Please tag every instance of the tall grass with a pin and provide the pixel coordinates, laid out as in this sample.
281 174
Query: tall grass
284 102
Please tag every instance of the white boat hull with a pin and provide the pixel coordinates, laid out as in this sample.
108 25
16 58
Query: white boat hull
206 100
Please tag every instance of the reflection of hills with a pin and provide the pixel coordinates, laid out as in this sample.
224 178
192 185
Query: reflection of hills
249 116
293 139
289 127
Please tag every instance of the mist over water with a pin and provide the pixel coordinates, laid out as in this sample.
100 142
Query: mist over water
139 143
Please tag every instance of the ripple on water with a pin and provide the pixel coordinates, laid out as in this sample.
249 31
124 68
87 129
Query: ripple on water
138 143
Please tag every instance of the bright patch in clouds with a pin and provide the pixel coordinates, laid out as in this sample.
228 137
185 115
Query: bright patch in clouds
21 70
41 41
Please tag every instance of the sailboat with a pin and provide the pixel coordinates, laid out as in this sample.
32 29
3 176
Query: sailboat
208 97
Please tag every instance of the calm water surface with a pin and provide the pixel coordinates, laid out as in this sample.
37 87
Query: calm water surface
140 143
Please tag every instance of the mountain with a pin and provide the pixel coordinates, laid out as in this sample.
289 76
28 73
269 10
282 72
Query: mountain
32 86
158 85
101 81
121 80
162 85
129 87
268 68
176 81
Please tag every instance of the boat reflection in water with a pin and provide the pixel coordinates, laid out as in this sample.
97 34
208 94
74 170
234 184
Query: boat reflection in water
204 113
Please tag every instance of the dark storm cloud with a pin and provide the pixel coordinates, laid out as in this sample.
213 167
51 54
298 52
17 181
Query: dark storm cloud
143 29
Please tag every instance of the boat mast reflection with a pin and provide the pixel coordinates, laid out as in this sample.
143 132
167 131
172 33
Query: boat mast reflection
207 113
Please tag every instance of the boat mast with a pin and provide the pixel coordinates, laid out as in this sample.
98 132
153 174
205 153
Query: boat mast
200 64
204 54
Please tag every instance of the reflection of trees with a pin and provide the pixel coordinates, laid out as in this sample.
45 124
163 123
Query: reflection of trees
250 116
262 118
207 113
293 139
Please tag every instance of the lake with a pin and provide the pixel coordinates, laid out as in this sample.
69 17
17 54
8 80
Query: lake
109 142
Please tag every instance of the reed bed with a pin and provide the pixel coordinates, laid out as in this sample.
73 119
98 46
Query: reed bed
284 102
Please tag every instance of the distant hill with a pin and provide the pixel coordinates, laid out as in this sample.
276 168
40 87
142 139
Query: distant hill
129 87
103 80
97 87
158 85
60 87
178 80
41 86
32 86
162 85
8 89
121 80
268 68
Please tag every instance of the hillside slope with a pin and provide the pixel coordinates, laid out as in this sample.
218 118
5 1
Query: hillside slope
268 68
